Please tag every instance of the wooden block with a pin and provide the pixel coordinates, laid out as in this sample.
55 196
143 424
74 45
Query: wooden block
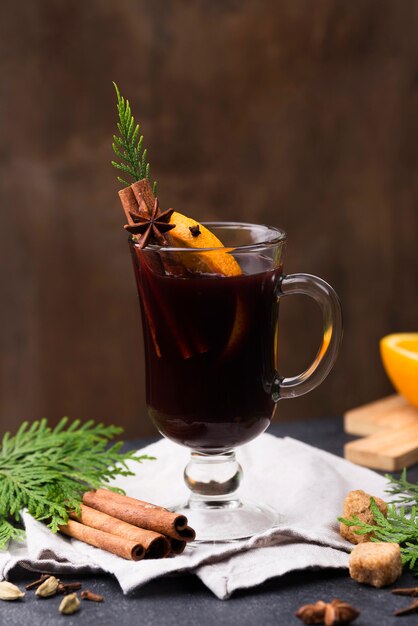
392 428
390 450
388 413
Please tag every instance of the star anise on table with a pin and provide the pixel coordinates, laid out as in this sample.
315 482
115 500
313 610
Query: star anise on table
150 224
335 613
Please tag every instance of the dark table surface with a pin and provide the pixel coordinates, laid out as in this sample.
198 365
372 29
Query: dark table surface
185 600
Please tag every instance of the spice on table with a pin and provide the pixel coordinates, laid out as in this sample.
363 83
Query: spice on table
93 597
140 513
127 527
9 591
333 613
37 582
376 563
357 504
48 588
177 546
155 545
312 613
105 541
339 612
69 604
409 610
68 587
406 591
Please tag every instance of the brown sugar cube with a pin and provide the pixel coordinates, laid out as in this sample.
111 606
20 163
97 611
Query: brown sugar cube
357 503
376 564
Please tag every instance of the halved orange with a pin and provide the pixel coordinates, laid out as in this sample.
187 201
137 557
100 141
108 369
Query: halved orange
400 357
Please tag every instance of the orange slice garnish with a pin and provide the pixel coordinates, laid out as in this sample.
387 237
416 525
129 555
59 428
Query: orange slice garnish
216 261
212 261
207 261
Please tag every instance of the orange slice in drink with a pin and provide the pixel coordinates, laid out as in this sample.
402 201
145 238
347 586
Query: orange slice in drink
187 233
211 257
214 261
217 261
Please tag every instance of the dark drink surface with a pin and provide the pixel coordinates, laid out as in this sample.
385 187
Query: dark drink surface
210 349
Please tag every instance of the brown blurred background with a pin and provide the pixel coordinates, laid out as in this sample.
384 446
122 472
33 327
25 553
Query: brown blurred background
298 113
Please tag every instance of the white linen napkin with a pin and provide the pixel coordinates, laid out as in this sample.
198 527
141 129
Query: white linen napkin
306 486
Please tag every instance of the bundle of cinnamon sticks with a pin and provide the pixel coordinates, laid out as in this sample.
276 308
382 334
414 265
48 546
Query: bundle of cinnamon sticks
127 527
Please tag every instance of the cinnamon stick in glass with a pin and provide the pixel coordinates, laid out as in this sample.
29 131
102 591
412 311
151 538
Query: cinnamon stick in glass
155 545
111 543
140 513
138 195
129 203
142 190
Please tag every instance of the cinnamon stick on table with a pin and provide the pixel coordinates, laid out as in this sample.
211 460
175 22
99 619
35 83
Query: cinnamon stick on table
177 546
140 513
127 549
155 545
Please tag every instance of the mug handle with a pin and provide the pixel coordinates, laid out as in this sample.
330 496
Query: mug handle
332 334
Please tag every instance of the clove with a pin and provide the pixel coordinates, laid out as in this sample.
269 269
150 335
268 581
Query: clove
406 591
93 597
68 587
37 582
409 610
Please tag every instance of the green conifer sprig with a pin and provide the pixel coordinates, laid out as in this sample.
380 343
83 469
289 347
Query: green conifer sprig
400 526
406 492
128 146
46 471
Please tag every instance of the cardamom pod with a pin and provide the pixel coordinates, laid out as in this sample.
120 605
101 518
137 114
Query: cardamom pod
9 591
48 588
70 604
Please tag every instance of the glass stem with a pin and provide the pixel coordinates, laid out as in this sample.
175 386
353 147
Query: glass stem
213 480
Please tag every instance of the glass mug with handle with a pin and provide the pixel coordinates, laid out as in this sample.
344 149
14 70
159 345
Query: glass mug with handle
211 356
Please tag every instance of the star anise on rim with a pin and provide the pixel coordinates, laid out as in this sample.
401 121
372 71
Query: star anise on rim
150 224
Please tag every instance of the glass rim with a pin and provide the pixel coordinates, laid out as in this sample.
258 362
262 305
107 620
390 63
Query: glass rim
279 236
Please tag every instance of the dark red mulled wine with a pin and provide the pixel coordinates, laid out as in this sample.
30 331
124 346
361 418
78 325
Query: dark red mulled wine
210 351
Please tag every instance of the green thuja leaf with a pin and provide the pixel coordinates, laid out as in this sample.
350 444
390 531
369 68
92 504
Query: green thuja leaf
399 526
46 470
128 145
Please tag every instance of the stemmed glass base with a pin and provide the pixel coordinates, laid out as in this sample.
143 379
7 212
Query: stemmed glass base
214 508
